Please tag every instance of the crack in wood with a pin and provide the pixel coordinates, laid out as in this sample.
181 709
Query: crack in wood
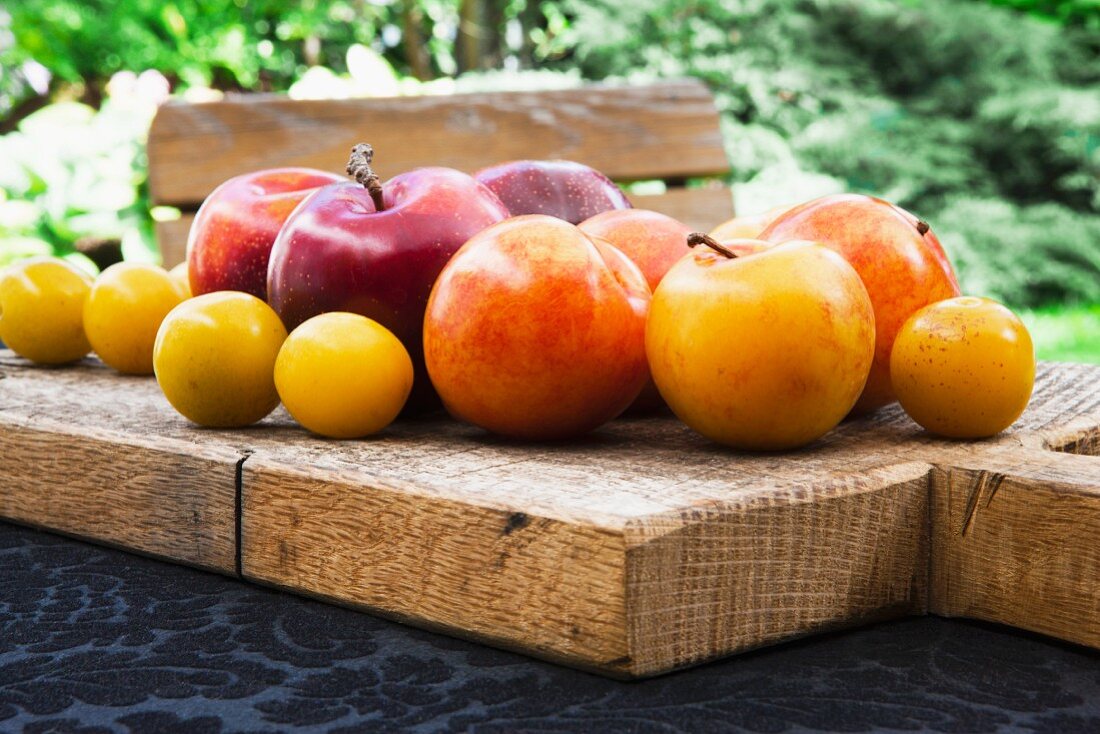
238 512
987 481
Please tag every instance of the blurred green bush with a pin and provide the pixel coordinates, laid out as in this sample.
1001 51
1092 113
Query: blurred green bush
983 119
75 177
231 45
1084 12
1027 256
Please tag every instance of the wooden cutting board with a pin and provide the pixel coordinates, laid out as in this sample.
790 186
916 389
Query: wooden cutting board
641 549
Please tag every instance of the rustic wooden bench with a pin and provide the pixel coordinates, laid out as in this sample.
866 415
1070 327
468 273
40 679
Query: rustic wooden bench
667 131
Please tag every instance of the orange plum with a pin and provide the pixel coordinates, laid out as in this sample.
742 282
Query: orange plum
536 331
900 261
654 242
964 367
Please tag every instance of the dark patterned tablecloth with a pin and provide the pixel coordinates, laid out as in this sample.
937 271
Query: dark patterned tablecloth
96 640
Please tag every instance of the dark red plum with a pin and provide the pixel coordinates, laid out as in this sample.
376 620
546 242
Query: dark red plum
563 189
340 251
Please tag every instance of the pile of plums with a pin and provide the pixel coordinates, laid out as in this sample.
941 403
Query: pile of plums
536 303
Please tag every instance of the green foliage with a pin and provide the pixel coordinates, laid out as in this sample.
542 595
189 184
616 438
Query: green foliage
1043 143
258 45
975 116
914 160
1025 256
1074 12
72 172
1066 334
199 42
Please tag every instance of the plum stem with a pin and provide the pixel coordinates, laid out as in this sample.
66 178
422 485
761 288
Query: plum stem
698 238
923 226
359 169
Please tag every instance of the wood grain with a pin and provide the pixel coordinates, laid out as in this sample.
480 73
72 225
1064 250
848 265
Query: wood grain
93 470
172 239
1016 542
640 549
701 208
665 130
775 564
434 500
453 566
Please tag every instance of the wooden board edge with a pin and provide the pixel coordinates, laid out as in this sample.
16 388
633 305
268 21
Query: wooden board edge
549 588
1070 407
667 85
168 501
1015 543
702 209
1080 436
837 556
172 239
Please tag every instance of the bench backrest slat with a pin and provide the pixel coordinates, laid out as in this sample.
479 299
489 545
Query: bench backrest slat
668 131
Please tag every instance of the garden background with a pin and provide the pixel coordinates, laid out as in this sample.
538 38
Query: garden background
983 116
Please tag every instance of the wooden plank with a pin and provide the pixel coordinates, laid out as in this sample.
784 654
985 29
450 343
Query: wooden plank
720 552
723 552
560 589
666 130
1017 541
479 571
702 209
172 239
739 574
457 488
106 469
635 551
1015 524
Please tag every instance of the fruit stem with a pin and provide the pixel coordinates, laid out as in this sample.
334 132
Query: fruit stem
698 238
359 169
922 226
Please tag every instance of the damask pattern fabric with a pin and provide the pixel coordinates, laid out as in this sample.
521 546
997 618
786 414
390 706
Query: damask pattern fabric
96 640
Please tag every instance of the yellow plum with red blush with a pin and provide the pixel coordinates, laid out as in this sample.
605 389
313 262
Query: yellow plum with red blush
536 331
